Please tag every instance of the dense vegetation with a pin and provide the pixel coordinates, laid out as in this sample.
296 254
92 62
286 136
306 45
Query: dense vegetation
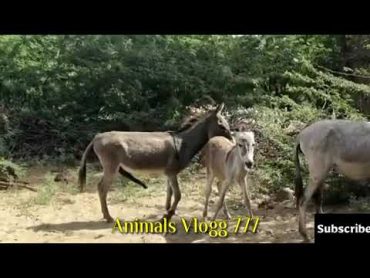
56 92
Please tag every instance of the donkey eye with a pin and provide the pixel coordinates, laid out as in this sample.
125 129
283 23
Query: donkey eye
240 145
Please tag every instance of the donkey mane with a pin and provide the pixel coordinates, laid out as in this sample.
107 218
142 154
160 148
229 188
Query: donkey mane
189 122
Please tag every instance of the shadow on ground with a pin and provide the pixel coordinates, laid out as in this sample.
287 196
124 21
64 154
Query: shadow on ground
72 226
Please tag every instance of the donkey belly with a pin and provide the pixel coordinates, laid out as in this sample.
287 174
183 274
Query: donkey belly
149 164
354 170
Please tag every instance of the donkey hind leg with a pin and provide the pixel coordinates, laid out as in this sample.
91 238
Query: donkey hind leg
318 198
103 188
225 209
244 187
225 185
207 191
169 195
177 197
318 172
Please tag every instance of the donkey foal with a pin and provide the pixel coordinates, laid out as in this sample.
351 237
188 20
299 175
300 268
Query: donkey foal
229 162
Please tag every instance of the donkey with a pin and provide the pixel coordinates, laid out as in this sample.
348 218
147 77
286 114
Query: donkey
340 145
229 162
165 153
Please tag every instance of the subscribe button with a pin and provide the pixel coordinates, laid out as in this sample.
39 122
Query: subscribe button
342 228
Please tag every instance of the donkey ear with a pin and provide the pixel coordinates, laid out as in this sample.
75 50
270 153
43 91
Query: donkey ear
242 128
219 108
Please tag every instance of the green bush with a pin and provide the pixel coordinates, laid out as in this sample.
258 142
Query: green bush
59 91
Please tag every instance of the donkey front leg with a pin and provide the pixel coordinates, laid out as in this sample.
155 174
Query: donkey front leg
177 197
246 196
225 185
225 209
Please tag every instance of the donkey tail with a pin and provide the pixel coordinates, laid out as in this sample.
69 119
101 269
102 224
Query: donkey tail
82 170
131 177
298 177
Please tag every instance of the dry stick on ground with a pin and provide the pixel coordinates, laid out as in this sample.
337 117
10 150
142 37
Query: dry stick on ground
6 185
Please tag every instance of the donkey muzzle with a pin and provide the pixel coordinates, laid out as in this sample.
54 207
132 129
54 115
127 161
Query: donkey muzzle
249 164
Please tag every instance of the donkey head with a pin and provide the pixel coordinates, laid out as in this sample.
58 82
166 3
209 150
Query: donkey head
218 125
245 143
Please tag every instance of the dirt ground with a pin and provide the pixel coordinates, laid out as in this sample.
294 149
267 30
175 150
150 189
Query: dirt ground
57 213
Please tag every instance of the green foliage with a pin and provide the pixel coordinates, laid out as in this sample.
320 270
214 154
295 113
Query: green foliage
359 204
59 91
10 171
46 192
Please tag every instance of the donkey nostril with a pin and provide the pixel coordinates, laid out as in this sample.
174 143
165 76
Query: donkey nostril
249 164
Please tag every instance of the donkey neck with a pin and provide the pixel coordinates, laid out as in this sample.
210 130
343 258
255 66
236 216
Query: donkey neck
191 141
232 150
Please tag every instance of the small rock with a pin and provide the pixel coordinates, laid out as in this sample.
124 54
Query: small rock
62 177
288 204
68 233
266 203
310 225
269 232
294 128
283 194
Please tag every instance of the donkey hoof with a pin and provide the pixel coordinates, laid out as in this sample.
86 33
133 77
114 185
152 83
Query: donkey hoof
169 214
109 219
305 238
207 218
165 216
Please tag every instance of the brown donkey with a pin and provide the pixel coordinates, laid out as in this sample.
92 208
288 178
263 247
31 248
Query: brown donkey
165 153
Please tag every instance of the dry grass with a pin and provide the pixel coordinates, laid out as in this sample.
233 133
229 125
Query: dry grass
58 213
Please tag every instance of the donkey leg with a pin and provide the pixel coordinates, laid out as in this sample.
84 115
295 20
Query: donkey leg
103 188
318 198
225 209
244 187
224 187
207 192
177 197
318 171
303 206
169 195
